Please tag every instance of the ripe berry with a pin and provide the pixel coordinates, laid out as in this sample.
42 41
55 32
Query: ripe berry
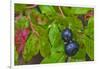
71 48
67 34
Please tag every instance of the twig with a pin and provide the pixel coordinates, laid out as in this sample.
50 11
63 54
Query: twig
32 27
33 30
61 11
32 6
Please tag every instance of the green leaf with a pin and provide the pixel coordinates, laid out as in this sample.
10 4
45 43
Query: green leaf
22 23
52 34
71 22
80 56
89 38
19 8
89 44
74 24
55 39
79 38
79 10
89 31
66 10
48 10
43 40
75 10
62 22
62 58
45 46
54 58
57 49
31 47
37 18
15 56
34 15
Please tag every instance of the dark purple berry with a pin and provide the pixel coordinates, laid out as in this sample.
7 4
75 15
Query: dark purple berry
67 34
71 48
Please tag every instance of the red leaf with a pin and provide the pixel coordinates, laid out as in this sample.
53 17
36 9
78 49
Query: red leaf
20 39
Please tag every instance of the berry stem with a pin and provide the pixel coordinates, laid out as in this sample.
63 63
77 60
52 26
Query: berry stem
68 59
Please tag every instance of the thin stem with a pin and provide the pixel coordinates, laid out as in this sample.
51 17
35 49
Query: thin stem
33 30
32 27
61 11
68 59
32 6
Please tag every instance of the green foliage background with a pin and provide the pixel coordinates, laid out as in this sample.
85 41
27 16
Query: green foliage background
48 22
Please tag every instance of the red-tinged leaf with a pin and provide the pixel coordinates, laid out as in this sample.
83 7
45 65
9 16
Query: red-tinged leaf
20 39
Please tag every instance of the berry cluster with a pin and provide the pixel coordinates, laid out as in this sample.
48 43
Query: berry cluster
71 48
